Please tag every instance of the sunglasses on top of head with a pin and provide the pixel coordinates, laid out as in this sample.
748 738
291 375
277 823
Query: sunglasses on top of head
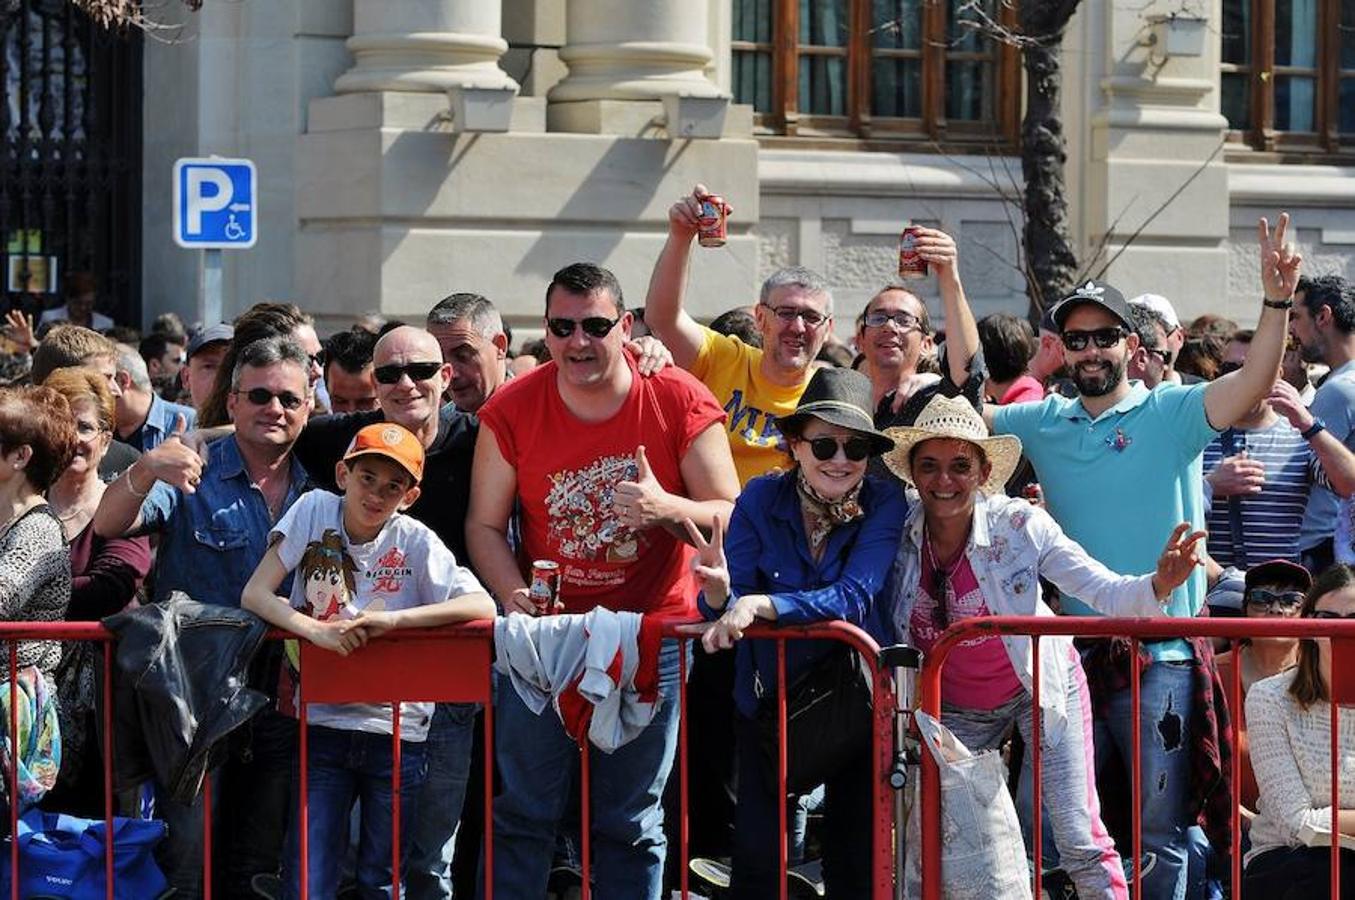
593 326
825 448
1103 338
417 371
263 396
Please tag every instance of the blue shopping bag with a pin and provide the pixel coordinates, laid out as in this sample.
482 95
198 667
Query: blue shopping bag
62 857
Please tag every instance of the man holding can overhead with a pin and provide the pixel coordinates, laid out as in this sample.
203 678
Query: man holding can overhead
604 466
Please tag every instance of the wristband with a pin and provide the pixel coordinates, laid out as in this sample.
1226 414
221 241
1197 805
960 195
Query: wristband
131 488
1287 303
1313 430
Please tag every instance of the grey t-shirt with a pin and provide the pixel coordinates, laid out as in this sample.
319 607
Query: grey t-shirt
406 565
1334 404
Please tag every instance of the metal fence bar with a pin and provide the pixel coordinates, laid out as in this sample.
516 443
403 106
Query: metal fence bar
1036 768
1136 766
684 837
14 770
1235 823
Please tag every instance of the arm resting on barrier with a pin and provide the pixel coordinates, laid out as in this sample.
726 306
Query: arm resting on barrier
261 598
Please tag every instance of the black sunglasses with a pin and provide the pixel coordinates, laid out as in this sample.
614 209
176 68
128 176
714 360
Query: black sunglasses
263 396
417 371
593 326
825 448
1275 601
1104 338
1328 614
1163 356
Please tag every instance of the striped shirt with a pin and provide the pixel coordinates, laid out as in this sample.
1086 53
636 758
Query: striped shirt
1270 519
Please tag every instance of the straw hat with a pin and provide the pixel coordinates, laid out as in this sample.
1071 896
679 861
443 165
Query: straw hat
953 417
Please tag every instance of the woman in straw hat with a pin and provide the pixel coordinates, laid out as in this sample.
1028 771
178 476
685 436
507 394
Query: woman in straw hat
967 550
812 544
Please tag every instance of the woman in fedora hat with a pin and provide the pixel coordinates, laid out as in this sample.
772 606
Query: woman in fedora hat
967 550
812 544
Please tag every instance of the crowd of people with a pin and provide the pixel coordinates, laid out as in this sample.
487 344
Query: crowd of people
1113 460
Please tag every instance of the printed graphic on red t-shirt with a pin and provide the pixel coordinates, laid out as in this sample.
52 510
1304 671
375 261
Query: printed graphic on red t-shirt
582 521
389 574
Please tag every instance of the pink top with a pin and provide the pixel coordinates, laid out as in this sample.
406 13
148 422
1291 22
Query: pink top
1023 390
978 673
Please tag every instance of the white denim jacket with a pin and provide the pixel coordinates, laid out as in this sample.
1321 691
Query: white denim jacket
1012 545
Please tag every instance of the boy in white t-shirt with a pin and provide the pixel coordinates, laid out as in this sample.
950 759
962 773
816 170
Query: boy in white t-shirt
362 569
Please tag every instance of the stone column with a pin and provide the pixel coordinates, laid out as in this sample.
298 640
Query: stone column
425 46
621 51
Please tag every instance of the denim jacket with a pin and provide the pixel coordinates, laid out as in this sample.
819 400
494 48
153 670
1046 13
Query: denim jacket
1011 546
768 553
211 540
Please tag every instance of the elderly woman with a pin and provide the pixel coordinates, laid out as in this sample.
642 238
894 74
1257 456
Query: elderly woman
969 551
1289 723
37 441
810 545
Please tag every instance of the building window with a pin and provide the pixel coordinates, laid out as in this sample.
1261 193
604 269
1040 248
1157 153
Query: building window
1288 73
875 69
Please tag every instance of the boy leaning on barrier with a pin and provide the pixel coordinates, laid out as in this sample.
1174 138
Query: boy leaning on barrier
362 569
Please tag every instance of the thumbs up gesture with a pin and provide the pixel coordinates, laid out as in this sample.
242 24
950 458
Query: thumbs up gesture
173 461
643 502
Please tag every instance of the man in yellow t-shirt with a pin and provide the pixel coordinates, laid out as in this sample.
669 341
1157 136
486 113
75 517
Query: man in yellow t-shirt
794 315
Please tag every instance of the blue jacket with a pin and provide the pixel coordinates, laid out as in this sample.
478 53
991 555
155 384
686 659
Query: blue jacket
768 553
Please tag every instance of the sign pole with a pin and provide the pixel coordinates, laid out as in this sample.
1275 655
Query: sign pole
209 308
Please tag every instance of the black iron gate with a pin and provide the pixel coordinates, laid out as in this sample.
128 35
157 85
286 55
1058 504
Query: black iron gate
70 157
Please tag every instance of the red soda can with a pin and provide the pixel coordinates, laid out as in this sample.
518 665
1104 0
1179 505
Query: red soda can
545 588
911 263
711 224
1032 492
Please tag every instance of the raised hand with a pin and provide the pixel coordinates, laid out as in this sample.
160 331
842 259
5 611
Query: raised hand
643 502
938 249
1284 399
684 215
19 329
1280 261
173 461
710 567
1179 558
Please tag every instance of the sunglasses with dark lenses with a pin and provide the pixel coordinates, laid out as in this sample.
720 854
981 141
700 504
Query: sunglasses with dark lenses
263 396
1275 601
905 320
417 371
593 326
1104 338
825 448
1163 356
1329 614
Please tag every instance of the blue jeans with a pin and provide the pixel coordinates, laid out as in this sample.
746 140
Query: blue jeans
1166 704
536 761
346 766
450 736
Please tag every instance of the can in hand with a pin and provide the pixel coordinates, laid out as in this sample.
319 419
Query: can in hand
712 224
545 588
911 263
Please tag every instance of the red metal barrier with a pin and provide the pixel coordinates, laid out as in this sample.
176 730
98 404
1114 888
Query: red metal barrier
1342 691
454 664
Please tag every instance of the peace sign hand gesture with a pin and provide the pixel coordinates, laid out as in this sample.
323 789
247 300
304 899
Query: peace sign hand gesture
1179 558
710 567
1280 261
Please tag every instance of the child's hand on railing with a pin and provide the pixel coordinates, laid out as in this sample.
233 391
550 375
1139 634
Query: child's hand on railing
339 637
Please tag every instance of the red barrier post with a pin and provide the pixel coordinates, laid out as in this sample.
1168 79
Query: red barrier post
105 651
1036 767
14 770
683 836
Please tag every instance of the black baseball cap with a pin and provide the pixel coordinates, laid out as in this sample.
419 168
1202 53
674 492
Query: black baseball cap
1096 293
211 334
1279 571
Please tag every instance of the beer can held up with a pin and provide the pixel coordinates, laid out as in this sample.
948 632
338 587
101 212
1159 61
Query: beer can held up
911 263
712 224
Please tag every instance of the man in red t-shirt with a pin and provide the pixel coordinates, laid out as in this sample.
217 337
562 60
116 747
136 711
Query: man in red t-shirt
603 466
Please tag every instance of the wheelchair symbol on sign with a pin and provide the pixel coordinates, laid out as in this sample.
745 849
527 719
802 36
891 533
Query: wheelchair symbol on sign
234 230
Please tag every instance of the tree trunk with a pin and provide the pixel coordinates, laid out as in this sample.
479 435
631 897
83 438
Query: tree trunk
1050 260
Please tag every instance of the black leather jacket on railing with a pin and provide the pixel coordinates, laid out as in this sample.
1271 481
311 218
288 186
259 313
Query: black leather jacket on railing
180 686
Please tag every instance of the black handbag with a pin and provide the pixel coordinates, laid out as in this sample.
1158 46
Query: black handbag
828 720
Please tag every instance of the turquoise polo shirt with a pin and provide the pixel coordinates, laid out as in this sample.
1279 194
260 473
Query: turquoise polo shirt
1120 482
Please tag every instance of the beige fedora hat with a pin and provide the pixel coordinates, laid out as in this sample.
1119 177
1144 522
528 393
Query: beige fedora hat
953 417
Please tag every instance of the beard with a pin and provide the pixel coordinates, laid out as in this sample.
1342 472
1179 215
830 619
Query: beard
1100 382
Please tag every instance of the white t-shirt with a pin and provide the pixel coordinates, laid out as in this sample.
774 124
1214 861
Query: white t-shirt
406 565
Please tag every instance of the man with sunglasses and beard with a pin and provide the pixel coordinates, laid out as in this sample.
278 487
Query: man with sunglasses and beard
1120 468
604 466
213 521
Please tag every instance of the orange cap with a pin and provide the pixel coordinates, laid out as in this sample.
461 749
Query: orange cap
391 441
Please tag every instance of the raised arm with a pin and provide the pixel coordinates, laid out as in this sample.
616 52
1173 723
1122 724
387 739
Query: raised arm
491 506
1229 398
664 314
172 462
962 332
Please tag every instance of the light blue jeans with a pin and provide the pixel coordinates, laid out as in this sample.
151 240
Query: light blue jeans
432 841
537 765
1165 707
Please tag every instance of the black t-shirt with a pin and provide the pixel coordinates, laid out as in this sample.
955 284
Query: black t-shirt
445 498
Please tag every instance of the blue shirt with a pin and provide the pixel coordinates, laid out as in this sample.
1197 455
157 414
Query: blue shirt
1334 403
768 553
1119 483
159 423
212 540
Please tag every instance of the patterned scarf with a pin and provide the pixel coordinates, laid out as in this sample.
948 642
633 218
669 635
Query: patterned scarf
824 515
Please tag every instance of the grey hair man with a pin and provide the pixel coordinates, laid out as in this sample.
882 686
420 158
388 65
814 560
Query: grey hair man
470 334
1151 361
143 419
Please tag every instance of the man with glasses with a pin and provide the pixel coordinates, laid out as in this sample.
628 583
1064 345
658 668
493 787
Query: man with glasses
1173 335
213 522
1151 362
1120 467
1259 473
605 467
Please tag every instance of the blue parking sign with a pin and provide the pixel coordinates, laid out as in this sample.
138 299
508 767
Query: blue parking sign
215 203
